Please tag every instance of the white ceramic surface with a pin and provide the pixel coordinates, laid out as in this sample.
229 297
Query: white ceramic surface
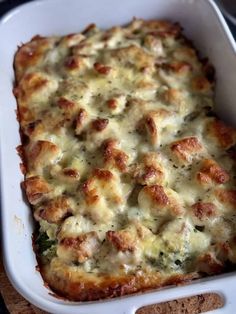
203 23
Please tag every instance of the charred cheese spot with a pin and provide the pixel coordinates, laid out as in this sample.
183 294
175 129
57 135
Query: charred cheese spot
134 56
80 121
175 98
34 128
122 240
152 123
116 104
204 210
114 157
33 82
65 104
76 64
160 201
101 68
67 176
36 188
32 53
172 96
211 173
26 116
40 154
112 103
157 194
36 86
71 174
69 110
102 193
99 125
80 248
151 128
224 135
149 171
226 197
53 211
186 149
103 175
72 63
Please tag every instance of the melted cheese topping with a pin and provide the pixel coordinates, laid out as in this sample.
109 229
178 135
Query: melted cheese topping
126 167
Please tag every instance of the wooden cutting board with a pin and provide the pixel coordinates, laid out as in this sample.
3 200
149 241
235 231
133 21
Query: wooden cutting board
16 304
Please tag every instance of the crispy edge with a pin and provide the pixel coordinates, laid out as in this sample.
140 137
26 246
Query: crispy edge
91 287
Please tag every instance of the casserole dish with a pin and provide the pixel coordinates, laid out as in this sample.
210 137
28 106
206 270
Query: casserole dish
17 227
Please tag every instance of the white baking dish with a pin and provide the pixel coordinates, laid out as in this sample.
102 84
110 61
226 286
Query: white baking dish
203 23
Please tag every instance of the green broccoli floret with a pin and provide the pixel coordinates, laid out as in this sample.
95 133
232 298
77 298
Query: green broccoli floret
43 243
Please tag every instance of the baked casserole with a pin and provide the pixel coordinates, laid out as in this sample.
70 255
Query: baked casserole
129 173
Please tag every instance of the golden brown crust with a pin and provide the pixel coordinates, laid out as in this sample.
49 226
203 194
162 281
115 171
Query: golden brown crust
71 174
30 54
33 86
210 172
100 195
149 171
151 127
35 188
226 196
89 287
224 135
33 128
113 156
80 120
80 248
186 148
122 240
135 56
53 210
173 96
151 123
157 194
99 125
40 153
204 210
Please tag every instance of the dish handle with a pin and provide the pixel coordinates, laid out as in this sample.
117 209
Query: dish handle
223 286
